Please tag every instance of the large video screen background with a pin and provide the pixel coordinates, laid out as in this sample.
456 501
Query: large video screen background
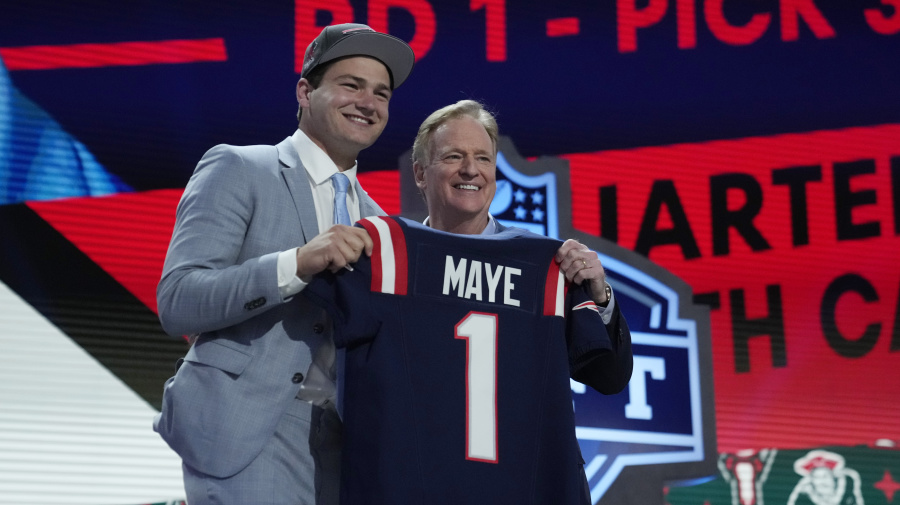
751 148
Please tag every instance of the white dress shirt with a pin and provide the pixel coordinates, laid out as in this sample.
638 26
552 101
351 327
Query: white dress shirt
318 386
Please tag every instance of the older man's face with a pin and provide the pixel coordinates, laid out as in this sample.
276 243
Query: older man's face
459 178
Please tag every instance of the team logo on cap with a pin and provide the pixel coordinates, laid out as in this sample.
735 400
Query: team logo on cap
310 54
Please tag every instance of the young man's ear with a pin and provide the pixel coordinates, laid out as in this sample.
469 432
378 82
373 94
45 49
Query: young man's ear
303 90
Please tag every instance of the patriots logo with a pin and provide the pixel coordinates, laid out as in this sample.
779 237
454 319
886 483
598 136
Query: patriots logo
588 306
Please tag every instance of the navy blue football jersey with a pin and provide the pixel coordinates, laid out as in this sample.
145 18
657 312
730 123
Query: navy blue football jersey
459 350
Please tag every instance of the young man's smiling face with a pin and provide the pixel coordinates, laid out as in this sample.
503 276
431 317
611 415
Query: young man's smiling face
348 111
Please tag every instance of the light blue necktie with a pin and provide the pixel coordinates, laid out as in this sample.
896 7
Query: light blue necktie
341 214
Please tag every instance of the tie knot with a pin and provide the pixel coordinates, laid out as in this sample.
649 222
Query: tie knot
340 182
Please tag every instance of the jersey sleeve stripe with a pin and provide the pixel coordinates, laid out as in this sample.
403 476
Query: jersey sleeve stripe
369 224
554 291
401 265
386 259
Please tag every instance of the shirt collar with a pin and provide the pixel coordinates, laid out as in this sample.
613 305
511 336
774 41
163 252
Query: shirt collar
490 229
317 163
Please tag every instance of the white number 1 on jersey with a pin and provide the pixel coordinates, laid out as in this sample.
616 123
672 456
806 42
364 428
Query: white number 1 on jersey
479 330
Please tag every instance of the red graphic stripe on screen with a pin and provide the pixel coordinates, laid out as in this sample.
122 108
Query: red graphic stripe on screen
384 187
113 54
125 234
128 234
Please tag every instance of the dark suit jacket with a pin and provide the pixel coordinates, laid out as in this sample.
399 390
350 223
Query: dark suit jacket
607 371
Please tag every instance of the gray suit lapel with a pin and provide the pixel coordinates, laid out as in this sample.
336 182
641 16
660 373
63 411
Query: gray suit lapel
296 179
367 206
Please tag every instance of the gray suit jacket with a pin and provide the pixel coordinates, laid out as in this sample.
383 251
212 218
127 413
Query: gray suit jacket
242 206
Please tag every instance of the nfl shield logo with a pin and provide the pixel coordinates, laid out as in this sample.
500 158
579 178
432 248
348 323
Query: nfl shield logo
525 201
659 418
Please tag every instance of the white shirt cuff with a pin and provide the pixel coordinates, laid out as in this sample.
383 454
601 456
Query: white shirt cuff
606 312
288 282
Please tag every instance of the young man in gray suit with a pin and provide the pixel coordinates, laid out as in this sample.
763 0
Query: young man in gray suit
251 410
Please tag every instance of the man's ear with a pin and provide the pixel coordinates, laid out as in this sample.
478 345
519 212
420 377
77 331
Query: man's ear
419 174
303 90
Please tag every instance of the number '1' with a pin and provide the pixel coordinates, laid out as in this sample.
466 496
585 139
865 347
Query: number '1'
479 330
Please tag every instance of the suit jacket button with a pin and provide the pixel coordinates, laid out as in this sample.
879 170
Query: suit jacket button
255 304
318 328
297 378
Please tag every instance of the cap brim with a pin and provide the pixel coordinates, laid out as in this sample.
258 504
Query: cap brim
397 56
